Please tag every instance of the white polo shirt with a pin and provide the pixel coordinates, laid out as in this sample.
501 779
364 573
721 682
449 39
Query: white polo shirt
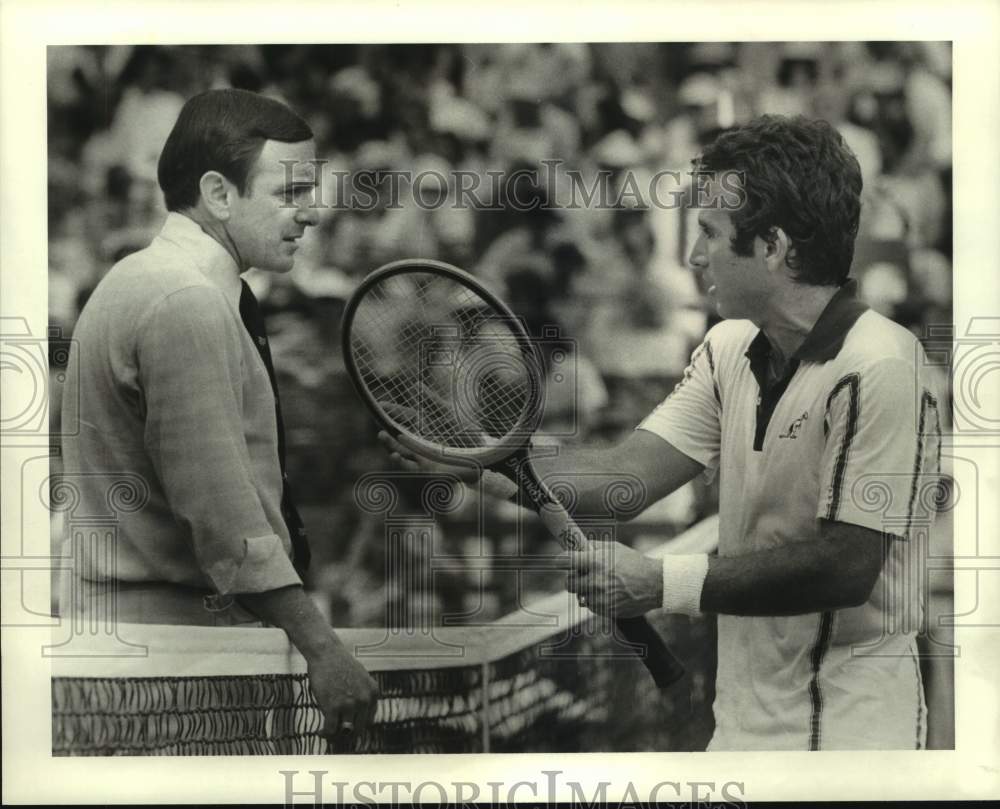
851 434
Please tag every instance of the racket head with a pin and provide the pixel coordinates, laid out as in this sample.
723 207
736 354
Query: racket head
442 363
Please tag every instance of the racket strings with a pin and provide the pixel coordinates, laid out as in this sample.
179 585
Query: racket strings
441 362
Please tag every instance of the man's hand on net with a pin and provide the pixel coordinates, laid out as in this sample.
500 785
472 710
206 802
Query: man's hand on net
346 694
612 579
344 691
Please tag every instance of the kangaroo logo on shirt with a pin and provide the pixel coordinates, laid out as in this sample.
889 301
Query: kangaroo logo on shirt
793 429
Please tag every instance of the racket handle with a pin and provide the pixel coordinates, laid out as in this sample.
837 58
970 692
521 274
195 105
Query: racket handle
663 666
558 522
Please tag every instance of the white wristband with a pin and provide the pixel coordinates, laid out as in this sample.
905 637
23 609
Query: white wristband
683 577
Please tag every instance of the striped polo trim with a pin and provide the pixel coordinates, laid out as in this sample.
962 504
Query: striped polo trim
920 702
927 401
816 656
711 368
852 383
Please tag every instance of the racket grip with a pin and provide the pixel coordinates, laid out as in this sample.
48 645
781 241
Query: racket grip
561 526
663 666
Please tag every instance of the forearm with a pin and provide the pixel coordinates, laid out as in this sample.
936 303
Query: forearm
619 481
294 611
344 692
835 570
794 579
590 473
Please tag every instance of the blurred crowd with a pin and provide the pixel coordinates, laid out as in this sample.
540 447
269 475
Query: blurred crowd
604 286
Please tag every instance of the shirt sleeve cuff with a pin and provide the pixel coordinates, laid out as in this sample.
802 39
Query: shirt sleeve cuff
265 566
683 579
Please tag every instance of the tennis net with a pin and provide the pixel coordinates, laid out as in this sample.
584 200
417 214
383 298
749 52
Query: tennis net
548 678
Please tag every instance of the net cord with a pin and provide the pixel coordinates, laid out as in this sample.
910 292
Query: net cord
204 651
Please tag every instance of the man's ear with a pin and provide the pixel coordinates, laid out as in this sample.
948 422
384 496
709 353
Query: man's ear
777 248
217 194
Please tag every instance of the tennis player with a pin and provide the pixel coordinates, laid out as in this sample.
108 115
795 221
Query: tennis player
178 400
814 412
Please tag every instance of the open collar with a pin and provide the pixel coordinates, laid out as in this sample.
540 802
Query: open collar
827 336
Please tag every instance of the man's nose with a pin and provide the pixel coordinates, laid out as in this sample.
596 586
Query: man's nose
697 259
308 215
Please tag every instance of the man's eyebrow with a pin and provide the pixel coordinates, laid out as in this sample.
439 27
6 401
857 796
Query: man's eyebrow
295 185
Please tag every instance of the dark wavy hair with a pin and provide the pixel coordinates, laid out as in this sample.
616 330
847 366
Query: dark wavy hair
799 175
224 131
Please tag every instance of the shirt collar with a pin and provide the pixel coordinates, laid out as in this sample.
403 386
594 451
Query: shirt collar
827 336
211 258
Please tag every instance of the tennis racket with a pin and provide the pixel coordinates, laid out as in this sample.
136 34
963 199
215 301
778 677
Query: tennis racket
450 372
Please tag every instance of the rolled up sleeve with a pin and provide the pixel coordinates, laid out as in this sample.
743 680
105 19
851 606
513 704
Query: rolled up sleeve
191 375
264 565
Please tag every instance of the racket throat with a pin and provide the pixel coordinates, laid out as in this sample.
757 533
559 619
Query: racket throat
536 495
519 470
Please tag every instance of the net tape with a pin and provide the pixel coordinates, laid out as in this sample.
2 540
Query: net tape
517 686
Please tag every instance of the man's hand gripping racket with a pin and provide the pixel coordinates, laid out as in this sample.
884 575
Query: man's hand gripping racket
452 376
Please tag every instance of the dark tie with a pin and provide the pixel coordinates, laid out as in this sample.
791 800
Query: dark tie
253 319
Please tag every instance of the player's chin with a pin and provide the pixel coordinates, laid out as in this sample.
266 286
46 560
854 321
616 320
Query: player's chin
728 311
281 264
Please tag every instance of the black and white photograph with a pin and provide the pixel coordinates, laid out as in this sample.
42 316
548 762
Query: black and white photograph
397 398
